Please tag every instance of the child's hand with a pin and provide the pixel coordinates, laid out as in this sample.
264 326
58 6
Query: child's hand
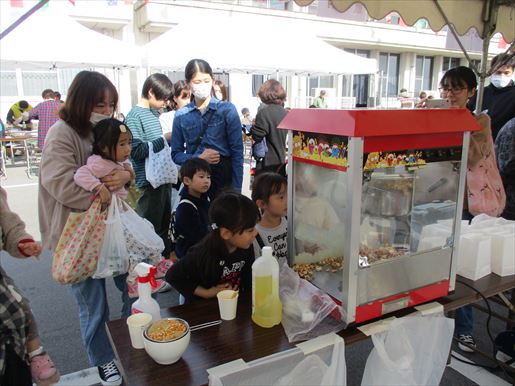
30 249
128 168
213 291
104 193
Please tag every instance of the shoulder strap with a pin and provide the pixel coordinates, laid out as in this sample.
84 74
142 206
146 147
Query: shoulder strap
185 200
260 241
203 130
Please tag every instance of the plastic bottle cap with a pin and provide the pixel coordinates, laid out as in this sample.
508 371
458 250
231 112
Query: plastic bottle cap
266 252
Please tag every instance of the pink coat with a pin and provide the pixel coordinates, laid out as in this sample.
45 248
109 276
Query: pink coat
88 176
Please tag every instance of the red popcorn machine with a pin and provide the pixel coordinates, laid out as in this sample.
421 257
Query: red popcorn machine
363 185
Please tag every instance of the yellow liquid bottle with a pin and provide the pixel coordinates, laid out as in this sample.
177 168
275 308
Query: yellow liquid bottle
266 305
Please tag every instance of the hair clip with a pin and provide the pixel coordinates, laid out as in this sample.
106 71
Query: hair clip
123 128
214 226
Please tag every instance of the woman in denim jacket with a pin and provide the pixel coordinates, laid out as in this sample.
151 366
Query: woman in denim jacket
209 129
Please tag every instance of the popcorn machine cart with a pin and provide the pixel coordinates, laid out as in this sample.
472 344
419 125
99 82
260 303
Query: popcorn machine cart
363 185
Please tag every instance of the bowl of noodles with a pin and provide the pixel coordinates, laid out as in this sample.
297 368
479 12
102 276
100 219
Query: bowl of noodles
166 340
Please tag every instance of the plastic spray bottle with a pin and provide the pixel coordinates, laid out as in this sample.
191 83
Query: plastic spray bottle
145 302
266 305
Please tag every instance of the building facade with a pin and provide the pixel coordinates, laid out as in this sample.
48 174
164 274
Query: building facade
409 57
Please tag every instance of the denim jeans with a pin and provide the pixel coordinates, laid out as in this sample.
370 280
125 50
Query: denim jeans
94 313
464 321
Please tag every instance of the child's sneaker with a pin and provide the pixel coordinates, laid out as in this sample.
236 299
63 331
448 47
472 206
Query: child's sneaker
43 370
162 286
162 267
109 374
132 289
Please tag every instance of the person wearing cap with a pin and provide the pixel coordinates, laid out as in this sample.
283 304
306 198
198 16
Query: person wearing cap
320 102
19 114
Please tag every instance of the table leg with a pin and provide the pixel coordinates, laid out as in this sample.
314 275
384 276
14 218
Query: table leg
27 157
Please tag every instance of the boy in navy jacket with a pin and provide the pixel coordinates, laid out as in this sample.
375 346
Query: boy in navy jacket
191 220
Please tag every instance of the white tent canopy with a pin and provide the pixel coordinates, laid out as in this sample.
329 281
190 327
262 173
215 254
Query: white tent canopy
237 45
33 45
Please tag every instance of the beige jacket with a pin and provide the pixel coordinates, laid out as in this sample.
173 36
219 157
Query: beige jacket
64 152
12 228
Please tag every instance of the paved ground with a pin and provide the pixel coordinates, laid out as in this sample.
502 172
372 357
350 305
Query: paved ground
57 313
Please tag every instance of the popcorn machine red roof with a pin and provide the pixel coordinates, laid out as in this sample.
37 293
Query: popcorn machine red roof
363 188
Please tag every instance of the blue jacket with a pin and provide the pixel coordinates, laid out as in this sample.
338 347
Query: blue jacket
223 134
190 223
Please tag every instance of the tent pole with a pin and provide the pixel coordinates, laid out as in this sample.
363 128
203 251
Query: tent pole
490 18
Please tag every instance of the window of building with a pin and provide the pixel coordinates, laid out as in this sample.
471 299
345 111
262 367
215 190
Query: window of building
388 73
449 63
175 76
323 81
423 73
360 82
257 81
270 4
36 81
476 62
8 85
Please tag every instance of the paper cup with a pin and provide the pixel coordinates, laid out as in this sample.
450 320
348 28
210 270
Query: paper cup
137 324
227 303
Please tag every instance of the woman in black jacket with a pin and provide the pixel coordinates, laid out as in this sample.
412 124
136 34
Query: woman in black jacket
269 116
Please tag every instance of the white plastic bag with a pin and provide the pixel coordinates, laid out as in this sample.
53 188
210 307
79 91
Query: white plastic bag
113 259
142 240
413 352
159 167
320 361
308 312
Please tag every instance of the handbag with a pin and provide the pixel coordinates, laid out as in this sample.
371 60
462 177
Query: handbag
159 167
485 190
113 259
76 254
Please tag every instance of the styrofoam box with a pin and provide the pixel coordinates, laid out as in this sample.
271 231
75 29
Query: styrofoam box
474 259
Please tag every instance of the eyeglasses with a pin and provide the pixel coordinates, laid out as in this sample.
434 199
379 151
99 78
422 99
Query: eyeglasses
454 90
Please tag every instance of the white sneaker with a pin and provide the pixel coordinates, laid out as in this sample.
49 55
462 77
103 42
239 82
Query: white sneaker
109 374
466 340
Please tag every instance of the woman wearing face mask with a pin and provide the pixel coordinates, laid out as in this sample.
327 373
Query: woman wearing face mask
91 98
143 121
209 129
499 95
220 91
484 189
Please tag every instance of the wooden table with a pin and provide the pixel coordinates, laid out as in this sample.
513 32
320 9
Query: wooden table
241 338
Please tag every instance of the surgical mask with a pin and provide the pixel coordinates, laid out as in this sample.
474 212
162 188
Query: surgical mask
500 81
94 118
219 95
202 90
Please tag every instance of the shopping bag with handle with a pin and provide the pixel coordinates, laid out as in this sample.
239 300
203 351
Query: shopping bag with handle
142 240
413 351
76 254
159 167
113 259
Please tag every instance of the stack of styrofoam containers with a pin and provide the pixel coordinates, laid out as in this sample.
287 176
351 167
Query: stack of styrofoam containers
502 233
486 245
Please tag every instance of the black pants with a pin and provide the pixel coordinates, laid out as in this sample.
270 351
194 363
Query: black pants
17 371
155 206
221 177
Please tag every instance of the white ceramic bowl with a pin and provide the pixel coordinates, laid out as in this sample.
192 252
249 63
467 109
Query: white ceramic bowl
168 352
